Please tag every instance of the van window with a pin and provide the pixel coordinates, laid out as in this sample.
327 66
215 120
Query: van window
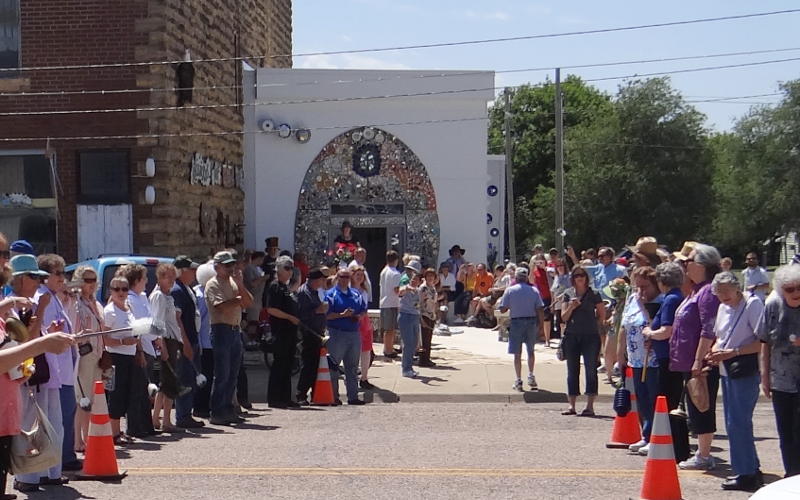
111 270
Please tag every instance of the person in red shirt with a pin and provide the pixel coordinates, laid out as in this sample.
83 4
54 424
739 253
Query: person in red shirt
301 265
542 280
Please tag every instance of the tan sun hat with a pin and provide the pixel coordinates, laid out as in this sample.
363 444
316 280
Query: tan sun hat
687 248
647 245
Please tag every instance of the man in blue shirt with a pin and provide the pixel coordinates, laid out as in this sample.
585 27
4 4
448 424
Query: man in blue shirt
186 305
345 308
527 312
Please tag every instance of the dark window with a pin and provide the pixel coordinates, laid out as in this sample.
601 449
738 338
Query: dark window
26 174
104 177
9 36
27 204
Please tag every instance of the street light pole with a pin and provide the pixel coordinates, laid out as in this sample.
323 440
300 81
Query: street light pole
512 239
559 205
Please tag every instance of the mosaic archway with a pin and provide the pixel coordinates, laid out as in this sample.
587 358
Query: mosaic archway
376 174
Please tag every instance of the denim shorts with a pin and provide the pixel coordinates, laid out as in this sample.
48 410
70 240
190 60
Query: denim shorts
522 331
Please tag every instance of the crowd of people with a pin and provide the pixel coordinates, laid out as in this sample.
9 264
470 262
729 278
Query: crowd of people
678 319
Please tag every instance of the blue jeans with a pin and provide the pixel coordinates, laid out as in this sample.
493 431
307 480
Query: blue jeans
227 343
739 398
409 331
575 346
68 407
646 393
345 346
187 375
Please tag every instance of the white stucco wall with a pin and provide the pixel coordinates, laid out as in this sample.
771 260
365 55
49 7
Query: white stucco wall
454 152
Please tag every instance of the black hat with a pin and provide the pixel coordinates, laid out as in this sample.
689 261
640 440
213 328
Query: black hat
184 262
456 247
318 272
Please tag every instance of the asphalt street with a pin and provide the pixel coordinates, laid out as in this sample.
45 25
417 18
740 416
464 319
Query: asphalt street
403 450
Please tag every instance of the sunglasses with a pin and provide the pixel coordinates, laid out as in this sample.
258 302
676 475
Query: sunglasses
119 289
288 268
34 277
344 276
5 254
90 280
791 289
580 275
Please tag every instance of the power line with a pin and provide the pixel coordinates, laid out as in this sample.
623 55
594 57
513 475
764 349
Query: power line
417 46
448 74
692 70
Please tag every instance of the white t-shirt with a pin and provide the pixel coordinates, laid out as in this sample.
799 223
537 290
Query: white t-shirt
448 281
390 279
140 307
736 326
754 276
117 318
165 315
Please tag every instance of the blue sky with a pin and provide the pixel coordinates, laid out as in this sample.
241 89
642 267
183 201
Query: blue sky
322 25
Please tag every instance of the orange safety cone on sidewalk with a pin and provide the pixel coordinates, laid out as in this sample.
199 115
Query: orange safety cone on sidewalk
660 472
100 463
627 429
322 394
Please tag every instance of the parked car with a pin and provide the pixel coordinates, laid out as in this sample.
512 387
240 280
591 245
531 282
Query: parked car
106 266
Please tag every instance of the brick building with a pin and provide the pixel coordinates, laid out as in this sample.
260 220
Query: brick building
88 189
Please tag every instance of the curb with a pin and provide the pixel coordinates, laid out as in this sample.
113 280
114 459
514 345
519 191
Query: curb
528 397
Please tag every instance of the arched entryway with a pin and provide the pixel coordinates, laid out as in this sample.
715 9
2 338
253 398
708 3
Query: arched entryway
372 179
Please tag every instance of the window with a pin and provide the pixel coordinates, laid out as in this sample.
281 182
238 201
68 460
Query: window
9 35
27 204
104 177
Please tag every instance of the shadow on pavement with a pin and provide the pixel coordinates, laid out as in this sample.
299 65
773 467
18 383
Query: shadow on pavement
428 380
63 493
257 427
385 395
544 396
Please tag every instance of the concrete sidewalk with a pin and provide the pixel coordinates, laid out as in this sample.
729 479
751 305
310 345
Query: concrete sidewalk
472 367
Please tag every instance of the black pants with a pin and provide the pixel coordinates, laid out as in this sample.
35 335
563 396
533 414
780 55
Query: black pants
5 461
427 336
575 346
279 389
787 419
140 421
671 385
242 386
202 396
310 359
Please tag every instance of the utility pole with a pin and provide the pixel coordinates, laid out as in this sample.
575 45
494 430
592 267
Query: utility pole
559 208
512 240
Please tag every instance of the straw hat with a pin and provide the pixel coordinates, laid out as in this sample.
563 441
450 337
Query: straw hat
687 248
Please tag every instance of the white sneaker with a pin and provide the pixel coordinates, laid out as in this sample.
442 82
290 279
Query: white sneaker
601 369
532 381
518 386
644 450
634 448
698 463
410 374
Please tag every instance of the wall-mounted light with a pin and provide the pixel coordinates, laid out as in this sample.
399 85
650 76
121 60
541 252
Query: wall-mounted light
284 130
150 167
150 195
303 135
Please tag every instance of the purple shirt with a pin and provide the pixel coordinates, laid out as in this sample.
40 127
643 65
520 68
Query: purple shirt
62 366
695 318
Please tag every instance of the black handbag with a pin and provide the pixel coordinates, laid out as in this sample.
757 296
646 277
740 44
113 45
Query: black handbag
42 373
741 366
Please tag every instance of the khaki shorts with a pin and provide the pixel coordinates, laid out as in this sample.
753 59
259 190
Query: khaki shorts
389 319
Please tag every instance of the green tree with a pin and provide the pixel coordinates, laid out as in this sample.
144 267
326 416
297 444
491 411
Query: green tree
533 128
757 175
644 169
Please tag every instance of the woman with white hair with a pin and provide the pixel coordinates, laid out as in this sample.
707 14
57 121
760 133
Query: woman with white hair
779 331
736 353
202 397
690 342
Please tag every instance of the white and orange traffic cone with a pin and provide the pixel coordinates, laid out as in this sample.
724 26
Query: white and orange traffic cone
322 395
627 429
100 463
660 472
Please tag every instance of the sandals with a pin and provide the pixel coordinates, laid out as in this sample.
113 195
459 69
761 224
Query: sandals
570 411
587 413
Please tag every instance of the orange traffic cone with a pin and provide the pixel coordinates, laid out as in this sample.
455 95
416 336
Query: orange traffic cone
322 394
100 463
660 473
626 429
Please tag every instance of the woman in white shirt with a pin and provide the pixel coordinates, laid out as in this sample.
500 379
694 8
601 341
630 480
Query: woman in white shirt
166 319
736 351
122 347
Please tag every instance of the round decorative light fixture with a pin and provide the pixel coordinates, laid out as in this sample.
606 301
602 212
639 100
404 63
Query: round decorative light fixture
492 190
303 135
266 125
494 232
150 195
367 160
489 218
150 167
369 133
284 130
380 138
356 136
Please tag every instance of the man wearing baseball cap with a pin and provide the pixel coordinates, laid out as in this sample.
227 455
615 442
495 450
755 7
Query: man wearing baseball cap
226 296
527 323
186 305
